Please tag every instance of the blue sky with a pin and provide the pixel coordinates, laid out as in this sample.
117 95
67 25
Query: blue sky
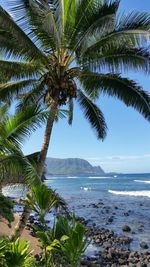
127 145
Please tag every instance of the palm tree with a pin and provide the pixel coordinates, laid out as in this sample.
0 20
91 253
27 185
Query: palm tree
58 51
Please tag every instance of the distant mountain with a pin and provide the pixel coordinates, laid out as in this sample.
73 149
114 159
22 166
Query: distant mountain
71 167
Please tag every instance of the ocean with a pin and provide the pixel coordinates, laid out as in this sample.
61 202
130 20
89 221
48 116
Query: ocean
108 202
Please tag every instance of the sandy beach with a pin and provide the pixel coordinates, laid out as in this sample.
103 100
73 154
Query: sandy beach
6 231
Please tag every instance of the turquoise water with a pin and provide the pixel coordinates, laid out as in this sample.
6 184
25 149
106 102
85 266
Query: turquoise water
125 198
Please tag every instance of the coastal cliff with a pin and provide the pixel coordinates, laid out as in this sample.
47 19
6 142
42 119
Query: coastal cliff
72 167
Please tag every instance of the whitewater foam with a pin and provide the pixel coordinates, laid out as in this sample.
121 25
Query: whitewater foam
143 193
86 188
141 181
99 177
72 177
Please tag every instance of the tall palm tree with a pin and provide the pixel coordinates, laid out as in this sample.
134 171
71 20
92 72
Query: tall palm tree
58 51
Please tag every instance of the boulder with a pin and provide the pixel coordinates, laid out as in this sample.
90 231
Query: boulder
126 228
144 245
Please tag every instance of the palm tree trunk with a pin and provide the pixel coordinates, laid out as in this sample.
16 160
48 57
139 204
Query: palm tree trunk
47 136
21 224
41 163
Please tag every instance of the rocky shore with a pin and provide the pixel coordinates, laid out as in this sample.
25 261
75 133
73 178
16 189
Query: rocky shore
111 250
114 251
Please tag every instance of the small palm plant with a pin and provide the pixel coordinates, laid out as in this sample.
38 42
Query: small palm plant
17 254
42 199
3 244
65 243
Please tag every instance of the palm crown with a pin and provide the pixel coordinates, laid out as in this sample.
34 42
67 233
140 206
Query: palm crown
66 45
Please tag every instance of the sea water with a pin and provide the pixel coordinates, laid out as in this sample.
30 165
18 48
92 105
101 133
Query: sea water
125 198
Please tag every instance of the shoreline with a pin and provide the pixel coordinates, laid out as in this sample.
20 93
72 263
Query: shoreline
107 249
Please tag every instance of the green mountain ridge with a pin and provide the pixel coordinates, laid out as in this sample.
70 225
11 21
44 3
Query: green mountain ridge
71 167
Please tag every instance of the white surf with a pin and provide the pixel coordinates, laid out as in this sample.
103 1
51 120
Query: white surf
143 193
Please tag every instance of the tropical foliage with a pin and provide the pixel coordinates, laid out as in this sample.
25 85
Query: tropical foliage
14 166
42 199
6 209
65 243
57 51
15 254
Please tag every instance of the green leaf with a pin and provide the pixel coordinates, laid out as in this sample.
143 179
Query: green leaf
124 89
93 114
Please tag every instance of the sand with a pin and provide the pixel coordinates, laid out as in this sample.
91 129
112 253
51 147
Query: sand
6 231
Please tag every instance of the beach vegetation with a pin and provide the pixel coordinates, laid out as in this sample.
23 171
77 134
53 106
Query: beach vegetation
16 254
65 243
42 200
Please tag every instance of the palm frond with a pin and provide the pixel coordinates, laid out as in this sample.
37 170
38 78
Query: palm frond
12 168
20 70
70 114
93 114
94 17
4 111
124 89
22 124
39 15
35 95
118 59
28 47
12 89
131 30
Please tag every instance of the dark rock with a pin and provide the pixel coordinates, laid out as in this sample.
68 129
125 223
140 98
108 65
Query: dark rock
126 228
110 219
144 245
33 233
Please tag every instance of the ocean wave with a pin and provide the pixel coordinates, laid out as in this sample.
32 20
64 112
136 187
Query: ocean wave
72 177
143 193
86 188
141 181
99 177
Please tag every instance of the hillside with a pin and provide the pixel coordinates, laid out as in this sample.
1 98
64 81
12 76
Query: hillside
72 167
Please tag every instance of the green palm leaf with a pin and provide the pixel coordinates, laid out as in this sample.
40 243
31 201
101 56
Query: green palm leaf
28 47
116 59
20 70
131 30
42 199
122 88
93 18
93 114
40 17
12 89
20 126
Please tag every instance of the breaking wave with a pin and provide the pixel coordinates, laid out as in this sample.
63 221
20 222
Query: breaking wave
143 193
141 181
